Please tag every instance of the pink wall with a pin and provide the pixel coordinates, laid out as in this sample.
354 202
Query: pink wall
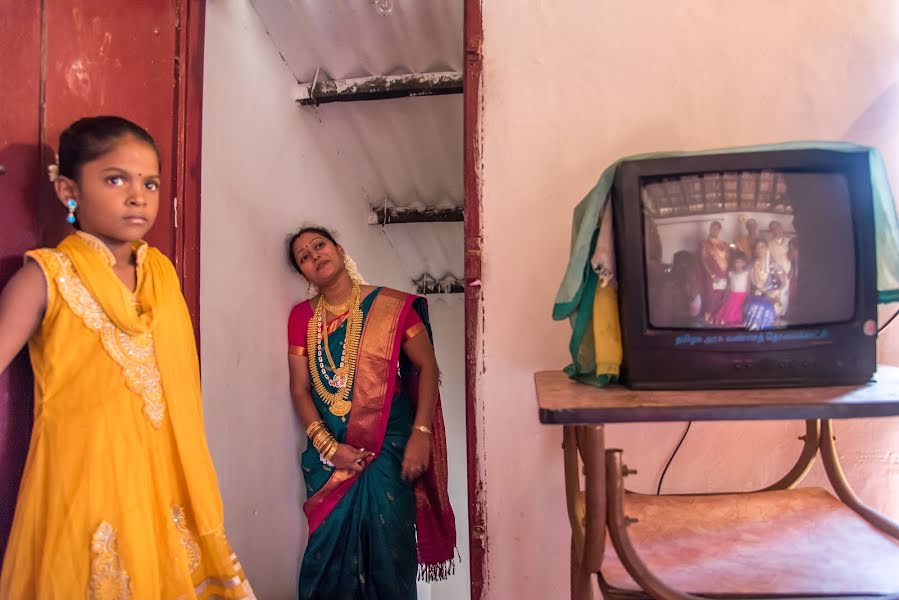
568 87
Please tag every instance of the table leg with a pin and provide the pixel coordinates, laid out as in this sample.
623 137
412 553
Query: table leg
810 443
583 445
618 524
592 445
841 486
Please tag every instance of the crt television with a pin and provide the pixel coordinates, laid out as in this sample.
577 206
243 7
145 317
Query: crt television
746 269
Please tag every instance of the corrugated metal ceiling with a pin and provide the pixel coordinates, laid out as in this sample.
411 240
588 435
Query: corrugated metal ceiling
351 38
407 150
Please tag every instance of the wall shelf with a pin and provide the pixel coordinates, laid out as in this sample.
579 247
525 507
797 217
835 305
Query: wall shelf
428 285
390 215
380 87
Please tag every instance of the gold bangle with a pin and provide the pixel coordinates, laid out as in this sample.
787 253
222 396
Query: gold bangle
424 429
321 439
331 451
316 435
313 427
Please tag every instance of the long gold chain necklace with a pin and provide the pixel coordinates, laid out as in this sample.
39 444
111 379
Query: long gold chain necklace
339 379
341 309
340 372
337 310
344 374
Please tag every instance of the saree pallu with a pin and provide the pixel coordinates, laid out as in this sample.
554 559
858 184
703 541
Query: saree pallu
363 528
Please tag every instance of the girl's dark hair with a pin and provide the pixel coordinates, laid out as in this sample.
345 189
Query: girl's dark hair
735 256
91 137
291 240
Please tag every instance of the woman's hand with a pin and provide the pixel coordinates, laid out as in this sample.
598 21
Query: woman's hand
351 459
417 456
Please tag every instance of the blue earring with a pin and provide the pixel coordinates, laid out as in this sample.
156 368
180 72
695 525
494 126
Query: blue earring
70 219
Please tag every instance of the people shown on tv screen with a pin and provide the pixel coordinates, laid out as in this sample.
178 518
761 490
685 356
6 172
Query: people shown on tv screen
731 312
678 299
749 283
723 251
778 247
713 256
746 241
765 284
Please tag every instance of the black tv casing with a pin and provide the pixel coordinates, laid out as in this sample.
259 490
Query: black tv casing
820 355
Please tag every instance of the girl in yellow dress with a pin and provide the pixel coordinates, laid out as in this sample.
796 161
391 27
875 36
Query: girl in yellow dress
119 499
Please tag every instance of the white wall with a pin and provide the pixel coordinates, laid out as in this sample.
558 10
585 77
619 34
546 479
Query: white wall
268 167
447 320
569 86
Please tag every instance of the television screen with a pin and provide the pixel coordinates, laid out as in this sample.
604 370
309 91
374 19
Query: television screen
754 249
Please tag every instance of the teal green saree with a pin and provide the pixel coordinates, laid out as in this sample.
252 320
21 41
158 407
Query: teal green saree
370 534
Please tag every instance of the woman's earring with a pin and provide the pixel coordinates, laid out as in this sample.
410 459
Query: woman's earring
72 204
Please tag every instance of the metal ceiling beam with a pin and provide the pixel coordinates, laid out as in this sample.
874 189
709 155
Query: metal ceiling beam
379 87
428 284
387 216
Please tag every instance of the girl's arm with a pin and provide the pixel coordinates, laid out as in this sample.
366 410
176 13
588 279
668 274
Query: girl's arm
22 305
418 449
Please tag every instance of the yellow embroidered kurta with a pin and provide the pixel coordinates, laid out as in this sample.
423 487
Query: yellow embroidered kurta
119 497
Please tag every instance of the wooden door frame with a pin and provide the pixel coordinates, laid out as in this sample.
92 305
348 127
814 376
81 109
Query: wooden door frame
188 151
477 508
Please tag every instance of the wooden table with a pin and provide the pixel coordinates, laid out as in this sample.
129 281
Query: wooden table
597 510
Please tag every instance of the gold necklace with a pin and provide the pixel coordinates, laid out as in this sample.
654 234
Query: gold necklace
316 336
354 298
339 309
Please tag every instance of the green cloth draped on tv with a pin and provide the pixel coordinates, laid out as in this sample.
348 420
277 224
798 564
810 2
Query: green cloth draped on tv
592 308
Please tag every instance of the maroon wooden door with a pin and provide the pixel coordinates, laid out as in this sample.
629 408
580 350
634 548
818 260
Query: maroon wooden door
139 60
20 165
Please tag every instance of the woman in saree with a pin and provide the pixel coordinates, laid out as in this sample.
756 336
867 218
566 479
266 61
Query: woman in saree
364 383
760 310
713 261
